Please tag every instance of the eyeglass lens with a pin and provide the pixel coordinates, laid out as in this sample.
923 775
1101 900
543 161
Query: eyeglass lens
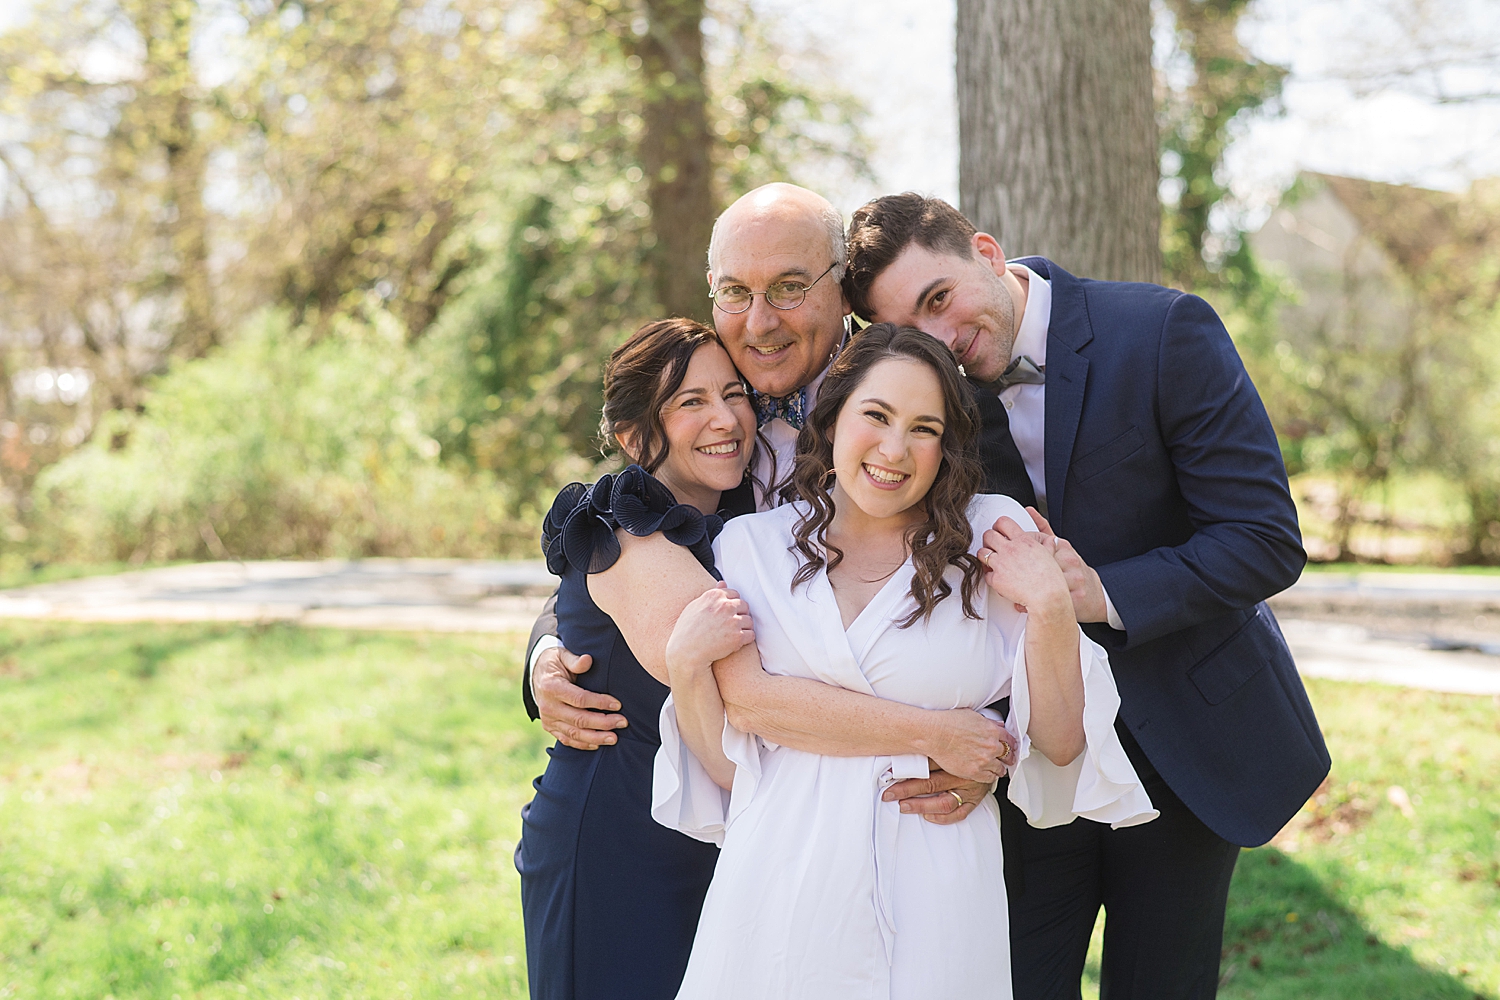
782 295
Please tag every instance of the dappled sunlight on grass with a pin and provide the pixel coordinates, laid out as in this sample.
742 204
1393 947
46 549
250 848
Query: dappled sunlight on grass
1291 934
212 811
1370 893
215 811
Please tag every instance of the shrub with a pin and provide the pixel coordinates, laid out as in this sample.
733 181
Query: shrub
282 444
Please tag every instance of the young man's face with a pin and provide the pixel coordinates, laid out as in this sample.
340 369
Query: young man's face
965 302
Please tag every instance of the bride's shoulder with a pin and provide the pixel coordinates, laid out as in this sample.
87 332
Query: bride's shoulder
764 525
987 508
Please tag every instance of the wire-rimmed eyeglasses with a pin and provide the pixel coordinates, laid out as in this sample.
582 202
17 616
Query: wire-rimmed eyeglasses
781 294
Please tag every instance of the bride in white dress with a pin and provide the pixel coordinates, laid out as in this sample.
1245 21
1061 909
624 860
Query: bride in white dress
897 582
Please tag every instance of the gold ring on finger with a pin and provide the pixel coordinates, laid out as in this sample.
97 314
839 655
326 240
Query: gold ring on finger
1004 750
958 797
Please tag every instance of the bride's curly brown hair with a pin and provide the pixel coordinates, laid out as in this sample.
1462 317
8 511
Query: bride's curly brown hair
941 539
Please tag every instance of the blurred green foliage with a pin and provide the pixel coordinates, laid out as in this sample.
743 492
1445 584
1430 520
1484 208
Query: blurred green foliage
282 445
1212 86
342 273
1379 365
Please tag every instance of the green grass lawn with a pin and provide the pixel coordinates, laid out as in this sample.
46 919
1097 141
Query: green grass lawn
205 811
214 811
1360 899
1388 882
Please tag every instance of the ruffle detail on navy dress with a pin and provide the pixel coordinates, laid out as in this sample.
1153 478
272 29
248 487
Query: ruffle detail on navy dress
579 530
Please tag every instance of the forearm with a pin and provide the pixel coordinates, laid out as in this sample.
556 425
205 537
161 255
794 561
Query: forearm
819 718
1221 568
700 720
1054 679
546 626
1230 535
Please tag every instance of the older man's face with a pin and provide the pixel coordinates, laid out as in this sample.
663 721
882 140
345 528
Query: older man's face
779 350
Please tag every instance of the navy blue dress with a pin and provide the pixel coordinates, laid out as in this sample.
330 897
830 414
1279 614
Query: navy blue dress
610 898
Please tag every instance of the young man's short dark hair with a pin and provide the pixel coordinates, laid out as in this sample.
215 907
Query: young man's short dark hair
882 229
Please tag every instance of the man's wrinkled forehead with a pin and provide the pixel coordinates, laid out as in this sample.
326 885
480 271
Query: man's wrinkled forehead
785 244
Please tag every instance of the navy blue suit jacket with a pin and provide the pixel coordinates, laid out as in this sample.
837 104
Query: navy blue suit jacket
1163 471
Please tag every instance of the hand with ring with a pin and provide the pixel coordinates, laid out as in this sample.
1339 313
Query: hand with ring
940 798
1084 585
1027 574
966 744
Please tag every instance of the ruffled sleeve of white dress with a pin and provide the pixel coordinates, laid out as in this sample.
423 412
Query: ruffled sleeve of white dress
683 796
1100 784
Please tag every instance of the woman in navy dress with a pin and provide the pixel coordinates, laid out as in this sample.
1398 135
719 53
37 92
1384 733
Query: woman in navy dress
611 898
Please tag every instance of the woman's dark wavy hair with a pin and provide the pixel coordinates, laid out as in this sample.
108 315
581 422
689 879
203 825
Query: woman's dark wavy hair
940 540
641 375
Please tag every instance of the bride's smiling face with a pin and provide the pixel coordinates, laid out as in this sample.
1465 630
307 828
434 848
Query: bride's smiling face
888 439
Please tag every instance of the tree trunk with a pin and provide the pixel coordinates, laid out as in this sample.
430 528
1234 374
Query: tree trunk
1057 132
167 88
189 232
675 153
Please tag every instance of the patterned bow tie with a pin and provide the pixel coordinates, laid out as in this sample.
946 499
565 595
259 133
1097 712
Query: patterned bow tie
1022 371
791 408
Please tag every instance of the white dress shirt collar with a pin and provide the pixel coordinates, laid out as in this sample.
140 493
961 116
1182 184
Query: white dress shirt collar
1031 336
812 390
782 438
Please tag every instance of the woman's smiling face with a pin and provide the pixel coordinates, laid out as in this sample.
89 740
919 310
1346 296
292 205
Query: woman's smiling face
888 439
710 428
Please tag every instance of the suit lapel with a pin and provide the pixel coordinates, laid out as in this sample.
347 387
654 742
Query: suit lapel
1067 376
1004 468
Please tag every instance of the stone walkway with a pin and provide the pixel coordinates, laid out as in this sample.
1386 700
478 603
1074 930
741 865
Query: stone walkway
439 595
1435 631
1353 653
1438 631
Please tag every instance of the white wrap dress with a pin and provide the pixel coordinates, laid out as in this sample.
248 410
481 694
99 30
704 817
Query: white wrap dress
824 891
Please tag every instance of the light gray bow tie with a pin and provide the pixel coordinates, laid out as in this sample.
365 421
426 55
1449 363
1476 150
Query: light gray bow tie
1022 371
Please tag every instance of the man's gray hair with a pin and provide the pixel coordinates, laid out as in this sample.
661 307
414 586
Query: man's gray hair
832 222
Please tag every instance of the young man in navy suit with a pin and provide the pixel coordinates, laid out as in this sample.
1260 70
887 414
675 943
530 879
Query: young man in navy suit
1124 415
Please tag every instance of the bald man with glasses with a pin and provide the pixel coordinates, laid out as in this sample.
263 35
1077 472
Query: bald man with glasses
775 262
